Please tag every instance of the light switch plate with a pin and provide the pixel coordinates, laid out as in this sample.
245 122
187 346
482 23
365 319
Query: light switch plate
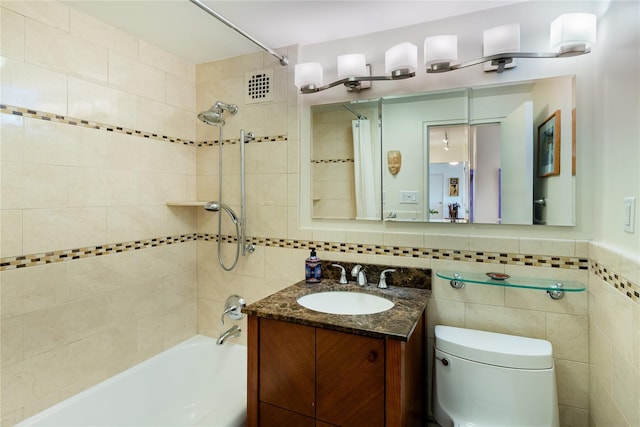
629 215
409 197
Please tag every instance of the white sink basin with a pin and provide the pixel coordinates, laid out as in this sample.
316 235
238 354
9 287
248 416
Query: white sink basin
338 302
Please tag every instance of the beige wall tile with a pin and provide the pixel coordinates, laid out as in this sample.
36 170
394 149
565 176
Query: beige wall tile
136 77
603 411
11 233
573 383
446 242
54 327
55 229
444 312
573 417
51 13
12 346
31 185
104 35
95 276
504 320
404 239
102 104
10 418
12 34
165 61
13 138
124 223
625 387
50 47
569 336
160 118
547 247
600 358
612 313
33 87
33 289
180 92
494 244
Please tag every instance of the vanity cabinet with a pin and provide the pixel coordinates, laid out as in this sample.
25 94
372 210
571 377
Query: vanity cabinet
311 376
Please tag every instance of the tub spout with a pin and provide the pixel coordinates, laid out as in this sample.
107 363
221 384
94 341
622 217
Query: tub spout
234 331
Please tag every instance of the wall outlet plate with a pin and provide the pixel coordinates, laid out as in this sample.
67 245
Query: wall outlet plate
629 216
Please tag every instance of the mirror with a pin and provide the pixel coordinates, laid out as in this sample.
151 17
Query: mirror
345 161
499 154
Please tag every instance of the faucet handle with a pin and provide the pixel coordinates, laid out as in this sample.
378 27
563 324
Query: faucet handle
383 278
343 274
355 270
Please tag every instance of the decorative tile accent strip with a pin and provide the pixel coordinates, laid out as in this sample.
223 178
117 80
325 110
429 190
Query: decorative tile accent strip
232 141
333 161
623 285
24 261
24 112
353 248
39 115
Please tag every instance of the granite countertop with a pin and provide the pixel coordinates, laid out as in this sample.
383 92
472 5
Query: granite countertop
396 323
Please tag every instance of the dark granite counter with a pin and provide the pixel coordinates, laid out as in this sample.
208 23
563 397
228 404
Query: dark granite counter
396 323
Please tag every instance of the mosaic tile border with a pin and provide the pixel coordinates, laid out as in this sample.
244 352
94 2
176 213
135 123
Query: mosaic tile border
33 260
257 139
51 117
623 285
333 161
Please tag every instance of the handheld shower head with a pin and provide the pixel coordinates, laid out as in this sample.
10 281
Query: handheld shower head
216 206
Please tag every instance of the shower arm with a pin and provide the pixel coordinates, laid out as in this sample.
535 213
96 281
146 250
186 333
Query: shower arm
284 60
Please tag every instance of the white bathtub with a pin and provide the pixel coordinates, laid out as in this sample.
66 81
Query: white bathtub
196 383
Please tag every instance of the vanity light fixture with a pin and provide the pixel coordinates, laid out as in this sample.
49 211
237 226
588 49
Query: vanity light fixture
572 34
401 62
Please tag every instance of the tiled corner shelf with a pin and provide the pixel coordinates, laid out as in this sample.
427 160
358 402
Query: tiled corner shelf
554 288
186 203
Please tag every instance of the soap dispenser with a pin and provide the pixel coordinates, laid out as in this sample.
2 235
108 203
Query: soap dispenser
313 268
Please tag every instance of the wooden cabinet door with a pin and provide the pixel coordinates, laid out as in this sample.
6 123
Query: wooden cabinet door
272 416
349 379
287 366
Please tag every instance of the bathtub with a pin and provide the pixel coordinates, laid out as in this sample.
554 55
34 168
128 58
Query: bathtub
195 383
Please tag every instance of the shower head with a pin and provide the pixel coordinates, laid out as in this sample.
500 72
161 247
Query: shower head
216 206
213 116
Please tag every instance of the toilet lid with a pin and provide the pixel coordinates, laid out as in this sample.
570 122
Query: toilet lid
494 349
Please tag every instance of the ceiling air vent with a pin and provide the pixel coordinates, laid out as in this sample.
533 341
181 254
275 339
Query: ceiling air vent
258 86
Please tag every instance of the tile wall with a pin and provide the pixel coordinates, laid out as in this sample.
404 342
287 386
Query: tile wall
96 272
84 298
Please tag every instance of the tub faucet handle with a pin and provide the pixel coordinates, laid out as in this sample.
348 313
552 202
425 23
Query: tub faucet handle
233 308
343 274
383 278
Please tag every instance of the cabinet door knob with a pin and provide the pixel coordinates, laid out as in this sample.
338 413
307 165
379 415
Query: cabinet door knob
373 356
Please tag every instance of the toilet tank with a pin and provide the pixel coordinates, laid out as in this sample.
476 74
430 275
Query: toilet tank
487 379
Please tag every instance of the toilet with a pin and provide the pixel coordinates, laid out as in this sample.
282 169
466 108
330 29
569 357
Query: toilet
485 379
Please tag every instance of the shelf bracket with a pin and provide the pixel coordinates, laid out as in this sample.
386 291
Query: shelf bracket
557 292
456 284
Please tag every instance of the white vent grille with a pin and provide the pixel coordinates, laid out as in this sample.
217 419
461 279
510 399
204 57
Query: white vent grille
258 86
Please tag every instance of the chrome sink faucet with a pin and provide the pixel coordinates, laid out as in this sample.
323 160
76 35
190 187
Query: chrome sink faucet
343 274
383 278
358 273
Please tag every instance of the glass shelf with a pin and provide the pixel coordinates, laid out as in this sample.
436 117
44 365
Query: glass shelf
555 288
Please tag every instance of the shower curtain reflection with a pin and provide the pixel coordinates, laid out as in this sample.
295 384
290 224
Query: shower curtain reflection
365 182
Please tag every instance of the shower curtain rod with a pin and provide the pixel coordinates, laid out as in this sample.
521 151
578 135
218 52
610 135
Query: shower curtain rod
284 60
